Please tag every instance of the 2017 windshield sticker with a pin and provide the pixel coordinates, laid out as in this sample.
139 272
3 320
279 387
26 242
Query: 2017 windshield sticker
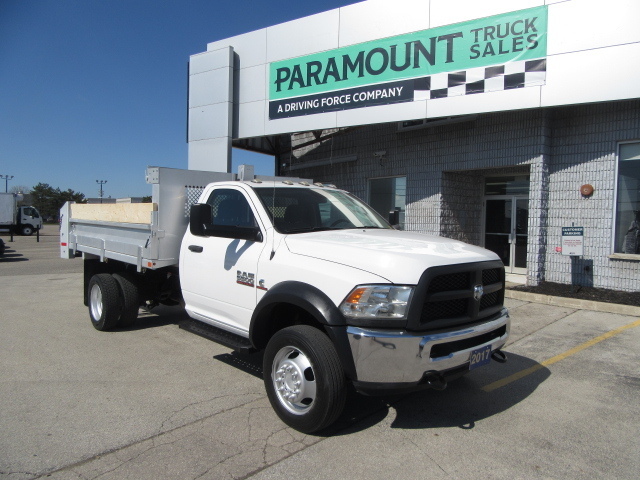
329 81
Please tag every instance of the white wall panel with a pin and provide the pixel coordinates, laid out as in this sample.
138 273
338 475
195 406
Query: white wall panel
446 12
251 119
593 76
383 114
586 24
201 91
210 155
299 124
206 61
253 83
209 121
367 21
516 99
307 35
251 48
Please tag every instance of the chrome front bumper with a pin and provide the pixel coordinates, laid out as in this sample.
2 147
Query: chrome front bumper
397 357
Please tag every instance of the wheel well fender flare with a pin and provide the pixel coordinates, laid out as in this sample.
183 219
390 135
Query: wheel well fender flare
313 301
302 295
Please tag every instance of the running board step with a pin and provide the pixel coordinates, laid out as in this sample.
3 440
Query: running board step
228 339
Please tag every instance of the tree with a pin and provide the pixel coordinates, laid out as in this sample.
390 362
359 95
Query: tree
49 200
19 189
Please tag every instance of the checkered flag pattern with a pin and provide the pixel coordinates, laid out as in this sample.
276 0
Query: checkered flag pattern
480 80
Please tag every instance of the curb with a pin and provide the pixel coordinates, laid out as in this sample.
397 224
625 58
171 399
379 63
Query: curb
574 303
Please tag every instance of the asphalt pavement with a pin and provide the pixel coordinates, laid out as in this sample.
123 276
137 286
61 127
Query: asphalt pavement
157 402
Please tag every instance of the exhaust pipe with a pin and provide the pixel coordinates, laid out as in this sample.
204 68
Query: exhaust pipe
499 356
435 380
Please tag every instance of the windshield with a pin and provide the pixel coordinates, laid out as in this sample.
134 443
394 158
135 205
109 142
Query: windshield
296 210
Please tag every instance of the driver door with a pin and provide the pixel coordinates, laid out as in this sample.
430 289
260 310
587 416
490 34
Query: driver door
218 275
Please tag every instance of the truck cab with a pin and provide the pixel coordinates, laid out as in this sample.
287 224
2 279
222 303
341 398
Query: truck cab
29 220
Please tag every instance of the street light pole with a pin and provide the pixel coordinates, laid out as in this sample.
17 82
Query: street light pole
101 182
6 179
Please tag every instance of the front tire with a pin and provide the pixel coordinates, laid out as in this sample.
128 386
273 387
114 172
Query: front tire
27 230
105 302
303 378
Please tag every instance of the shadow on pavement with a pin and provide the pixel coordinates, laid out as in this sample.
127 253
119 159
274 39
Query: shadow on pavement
161 316
9 257
461 404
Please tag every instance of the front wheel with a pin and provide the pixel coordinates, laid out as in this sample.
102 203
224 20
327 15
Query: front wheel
27 230
303 377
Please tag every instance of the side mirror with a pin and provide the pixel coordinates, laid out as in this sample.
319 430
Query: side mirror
200 215
201 225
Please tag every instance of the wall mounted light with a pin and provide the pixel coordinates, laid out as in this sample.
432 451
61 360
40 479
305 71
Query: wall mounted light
586 190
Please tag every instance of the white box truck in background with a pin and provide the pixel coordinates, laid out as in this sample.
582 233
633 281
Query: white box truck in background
22 220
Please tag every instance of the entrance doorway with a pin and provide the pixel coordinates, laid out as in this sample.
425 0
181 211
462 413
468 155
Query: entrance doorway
506 220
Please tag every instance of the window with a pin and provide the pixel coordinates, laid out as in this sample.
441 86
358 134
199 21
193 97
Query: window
297 210
627 230
388 194
230 207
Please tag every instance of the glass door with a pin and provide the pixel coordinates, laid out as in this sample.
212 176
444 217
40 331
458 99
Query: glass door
506 225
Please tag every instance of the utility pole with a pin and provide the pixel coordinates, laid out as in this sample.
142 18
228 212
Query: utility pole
6 179
101 182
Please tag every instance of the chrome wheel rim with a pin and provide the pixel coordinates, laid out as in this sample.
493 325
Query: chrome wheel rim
95 301
293 380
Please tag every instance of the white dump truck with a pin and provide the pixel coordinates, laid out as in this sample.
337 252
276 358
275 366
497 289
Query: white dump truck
305 272
23 220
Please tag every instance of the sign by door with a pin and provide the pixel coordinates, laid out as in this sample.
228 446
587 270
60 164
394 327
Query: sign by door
573 241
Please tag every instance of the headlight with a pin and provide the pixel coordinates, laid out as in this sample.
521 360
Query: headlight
377 301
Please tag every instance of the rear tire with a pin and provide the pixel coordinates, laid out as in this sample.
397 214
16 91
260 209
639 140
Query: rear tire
130 298
304 379
105 302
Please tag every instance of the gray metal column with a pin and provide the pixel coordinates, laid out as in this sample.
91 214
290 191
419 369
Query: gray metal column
211 110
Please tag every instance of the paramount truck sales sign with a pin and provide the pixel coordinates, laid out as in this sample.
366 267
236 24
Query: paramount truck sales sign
490 54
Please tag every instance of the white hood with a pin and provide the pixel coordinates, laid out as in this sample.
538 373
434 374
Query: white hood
400 257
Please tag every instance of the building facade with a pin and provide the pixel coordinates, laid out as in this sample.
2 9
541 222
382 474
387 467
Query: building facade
513 125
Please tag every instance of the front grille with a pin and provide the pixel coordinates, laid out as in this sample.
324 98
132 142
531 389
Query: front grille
446 349
489 300
453 281
449 294
446 309
491 275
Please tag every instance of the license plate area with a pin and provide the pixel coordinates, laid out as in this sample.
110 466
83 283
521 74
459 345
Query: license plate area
480 357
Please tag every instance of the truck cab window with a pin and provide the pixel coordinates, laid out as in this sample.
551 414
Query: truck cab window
230 207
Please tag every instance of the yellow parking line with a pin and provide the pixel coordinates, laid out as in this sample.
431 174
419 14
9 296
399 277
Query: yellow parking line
528 371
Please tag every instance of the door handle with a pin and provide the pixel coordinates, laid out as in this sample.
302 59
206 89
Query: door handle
196 248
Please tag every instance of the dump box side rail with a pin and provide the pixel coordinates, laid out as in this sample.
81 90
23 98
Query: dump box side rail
146 235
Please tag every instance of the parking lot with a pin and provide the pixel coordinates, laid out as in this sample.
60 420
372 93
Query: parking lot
157 402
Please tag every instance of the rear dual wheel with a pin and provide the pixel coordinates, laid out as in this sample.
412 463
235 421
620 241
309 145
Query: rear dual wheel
113 300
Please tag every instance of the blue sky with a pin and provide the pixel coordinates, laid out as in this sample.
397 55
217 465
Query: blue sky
97 89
